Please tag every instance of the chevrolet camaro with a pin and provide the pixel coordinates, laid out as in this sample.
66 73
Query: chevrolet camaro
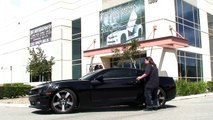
104 87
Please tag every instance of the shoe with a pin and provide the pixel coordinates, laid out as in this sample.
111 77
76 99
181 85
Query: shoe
148 108
155 107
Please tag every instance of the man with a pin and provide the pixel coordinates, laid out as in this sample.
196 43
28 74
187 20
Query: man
152 84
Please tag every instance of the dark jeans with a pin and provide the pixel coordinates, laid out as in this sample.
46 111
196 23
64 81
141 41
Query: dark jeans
151 97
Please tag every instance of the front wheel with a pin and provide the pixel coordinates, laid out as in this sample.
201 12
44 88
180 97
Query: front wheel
64 101
161 97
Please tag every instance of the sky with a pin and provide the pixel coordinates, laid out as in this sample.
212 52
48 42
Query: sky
15 9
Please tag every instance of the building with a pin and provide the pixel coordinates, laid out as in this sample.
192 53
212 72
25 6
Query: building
80 34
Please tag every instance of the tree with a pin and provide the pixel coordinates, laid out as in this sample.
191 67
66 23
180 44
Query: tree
38 64
129 52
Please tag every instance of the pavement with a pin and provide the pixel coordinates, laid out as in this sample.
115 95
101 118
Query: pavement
24 102
15 102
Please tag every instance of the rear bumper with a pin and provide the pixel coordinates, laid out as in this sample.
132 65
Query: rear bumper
171 93
39 101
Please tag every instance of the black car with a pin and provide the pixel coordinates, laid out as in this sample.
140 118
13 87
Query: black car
105 87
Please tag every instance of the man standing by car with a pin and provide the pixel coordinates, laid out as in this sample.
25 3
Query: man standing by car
152 84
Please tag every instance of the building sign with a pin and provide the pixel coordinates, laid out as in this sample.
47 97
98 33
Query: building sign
41 34
152 1
122 23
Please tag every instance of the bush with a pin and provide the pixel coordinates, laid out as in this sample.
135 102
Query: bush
14 90
188 88
210 86
1 92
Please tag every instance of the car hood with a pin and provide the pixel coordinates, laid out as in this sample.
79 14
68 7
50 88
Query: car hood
71 83
61 82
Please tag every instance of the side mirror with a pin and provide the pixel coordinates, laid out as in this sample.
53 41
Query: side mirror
100 78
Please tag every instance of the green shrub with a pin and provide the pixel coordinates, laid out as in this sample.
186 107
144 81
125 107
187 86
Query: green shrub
14 90
188 88
1 92
210 86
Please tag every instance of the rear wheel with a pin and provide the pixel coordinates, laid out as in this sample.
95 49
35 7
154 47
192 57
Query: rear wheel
64 101
123 38
161 97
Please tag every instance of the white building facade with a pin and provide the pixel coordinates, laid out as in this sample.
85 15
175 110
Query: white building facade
177 34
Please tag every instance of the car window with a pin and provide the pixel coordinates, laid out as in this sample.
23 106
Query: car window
140 72
119 73
89 75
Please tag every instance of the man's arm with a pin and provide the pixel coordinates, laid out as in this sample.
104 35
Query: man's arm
142 76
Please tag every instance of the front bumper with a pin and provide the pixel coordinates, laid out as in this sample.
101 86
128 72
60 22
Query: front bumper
39 101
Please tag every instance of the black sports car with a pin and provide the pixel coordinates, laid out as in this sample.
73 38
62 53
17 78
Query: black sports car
113 86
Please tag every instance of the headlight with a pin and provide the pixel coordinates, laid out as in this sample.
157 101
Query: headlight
46 89
40 91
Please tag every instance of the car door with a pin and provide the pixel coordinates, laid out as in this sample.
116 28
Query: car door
117 85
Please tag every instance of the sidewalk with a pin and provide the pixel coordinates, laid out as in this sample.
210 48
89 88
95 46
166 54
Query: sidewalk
15 102
24 102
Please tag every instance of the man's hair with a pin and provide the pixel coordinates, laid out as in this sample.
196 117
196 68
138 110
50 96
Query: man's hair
151 61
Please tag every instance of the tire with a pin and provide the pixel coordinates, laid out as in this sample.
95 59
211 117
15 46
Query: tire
64 101
161 97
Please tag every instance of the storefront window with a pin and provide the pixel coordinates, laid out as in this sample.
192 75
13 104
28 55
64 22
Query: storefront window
140 64
190 66
41 78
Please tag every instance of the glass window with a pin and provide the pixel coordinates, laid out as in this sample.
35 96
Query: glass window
179 7
210 25
76 71
140 64
189 35
198 38
76 49
180 29
188 22
119 73
78 61
187 11
196 16
41 78
190 66
181 67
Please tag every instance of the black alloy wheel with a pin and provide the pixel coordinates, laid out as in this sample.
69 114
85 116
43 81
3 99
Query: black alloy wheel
64 101
161 97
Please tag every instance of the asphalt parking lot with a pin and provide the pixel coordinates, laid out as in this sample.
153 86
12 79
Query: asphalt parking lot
23 102
194 107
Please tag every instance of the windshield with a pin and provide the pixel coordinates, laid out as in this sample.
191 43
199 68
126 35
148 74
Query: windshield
89 75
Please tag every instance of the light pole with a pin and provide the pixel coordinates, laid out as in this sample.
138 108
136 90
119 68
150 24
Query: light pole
11 74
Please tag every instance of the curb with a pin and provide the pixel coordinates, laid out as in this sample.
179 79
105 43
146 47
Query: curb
192 96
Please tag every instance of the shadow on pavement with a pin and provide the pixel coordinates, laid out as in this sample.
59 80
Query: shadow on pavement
168 107
113 108
43 112
103 109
